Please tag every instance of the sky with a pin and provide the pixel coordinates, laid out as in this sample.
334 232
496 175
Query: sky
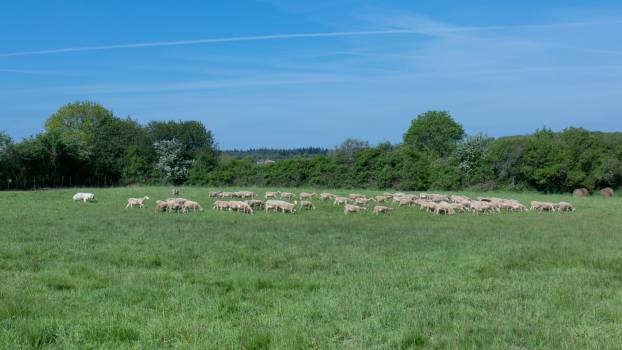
276 73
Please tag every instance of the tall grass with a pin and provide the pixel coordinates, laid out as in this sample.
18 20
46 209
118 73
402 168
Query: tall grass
96 275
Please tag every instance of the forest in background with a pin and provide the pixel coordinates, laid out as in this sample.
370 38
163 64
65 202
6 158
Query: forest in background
85 144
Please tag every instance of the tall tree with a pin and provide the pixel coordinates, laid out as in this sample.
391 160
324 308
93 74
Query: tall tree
192 135
434 131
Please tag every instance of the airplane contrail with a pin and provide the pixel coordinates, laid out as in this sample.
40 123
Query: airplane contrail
210 41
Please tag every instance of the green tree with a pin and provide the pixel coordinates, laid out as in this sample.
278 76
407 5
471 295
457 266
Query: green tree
78 124
435 132
192 135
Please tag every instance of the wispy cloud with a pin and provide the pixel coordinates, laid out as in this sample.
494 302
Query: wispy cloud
129 88
29 72
212 41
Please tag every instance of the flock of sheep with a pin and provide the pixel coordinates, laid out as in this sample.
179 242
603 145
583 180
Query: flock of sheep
247 202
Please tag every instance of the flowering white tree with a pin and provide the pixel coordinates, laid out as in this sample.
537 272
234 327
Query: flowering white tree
170 160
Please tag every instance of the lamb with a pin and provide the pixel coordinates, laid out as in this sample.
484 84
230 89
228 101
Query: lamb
306 205
174 192
380 209
305 195
140 202
83 197
191 205
349 208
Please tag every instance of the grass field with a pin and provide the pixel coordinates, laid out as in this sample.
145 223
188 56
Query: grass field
76 276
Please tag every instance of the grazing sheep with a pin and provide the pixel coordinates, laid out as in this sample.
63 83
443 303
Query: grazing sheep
382 199
607 192
362 200
406 201
287 195
399 196
173 206
438 198
564 206
307 205
459 199
226 194
271 205
479 207
354 196
349 208
341 200
212 194
83 197
380 209
286 207
273 195
191 205
255 203
327 196
161 206
221 205
240 206
305 195
581 192
140 202
542 206
244 194
444 208
426 205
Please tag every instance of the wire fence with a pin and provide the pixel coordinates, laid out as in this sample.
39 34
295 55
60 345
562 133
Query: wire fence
40 183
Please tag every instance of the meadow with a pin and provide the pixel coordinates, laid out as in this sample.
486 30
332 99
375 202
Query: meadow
95 275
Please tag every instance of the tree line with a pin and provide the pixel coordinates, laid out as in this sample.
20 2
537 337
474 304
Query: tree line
83 143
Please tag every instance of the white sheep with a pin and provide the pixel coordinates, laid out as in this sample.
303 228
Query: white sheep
140 202
83 197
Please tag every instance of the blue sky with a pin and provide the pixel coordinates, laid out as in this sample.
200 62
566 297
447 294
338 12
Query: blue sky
277 73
